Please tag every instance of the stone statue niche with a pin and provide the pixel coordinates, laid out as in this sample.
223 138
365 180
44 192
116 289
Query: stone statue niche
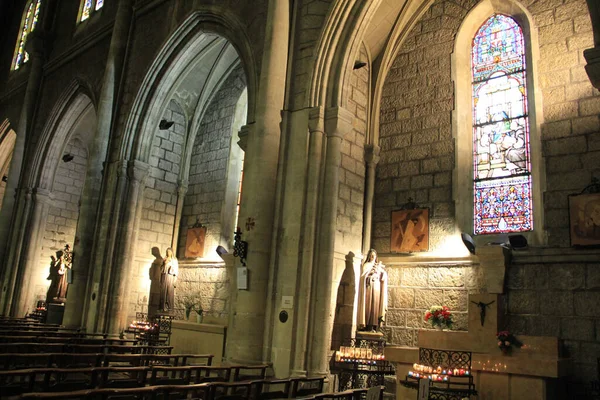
59 276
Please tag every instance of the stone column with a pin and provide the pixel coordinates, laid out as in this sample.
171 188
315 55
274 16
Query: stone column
182 189
124 259
245 336
97 155
315 156
30 271
592 56
338 122
12 213
372 159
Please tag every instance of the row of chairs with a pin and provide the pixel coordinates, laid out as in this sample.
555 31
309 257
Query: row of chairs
66 340
251 390
33 347
13 361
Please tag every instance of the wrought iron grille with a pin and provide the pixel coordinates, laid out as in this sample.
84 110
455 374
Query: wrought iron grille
445 358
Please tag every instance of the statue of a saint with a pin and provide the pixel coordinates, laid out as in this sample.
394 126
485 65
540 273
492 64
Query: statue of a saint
57 292
168 278
372 294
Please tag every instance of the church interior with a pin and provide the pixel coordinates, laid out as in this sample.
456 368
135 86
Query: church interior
345 195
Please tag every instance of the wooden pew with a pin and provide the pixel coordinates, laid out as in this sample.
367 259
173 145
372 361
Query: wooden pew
249 372
303 387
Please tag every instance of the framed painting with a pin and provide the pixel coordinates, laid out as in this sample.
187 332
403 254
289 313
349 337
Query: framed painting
194 242
410 230
584 219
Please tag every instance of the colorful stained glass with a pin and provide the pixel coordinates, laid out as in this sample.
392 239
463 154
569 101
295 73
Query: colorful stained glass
30 19
501 162
87 9
99 4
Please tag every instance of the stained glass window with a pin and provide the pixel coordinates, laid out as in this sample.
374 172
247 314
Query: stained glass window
501 154
89 6
30 19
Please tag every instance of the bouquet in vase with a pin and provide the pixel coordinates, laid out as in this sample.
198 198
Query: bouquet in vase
440 317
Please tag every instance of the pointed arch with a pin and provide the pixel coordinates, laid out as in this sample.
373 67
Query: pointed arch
176 54
74 106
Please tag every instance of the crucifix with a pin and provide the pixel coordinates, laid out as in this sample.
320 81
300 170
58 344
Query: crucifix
482 307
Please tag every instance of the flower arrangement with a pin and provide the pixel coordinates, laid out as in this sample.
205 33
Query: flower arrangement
439 317
507 340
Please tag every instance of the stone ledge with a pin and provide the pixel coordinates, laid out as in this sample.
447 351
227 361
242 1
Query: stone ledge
191 326
554 255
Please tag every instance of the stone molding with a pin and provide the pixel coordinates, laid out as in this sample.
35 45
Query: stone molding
137 171
316 120
372 156
243 135
338 121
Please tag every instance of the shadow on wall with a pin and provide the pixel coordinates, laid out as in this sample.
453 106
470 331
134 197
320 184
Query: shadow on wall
154 274
344 310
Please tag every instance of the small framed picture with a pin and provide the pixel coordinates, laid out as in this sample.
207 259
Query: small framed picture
584 219
194 243
410 230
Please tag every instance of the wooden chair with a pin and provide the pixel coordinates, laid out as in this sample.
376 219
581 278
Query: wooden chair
272 389
231 391
121 377
170 375
249 372
207 374
304 387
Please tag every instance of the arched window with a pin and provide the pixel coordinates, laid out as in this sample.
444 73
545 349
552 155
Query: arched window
88 7
28 23
502 195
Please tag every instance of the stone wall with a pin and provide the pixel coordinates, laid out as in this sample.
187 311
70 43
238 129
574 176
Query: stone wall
413 288
558 298
63 213
209 172
349 223
417 161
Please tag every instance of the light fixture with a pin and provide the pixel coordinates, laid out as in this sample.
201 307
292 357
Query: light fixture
468 242
518 242
221 250
164 124
359 64
68 157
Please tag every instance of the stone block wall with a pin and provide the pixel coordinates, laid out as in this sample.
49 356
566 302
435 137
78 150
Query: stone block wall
349 223
413 288
558 299
209 172
63 213
209 284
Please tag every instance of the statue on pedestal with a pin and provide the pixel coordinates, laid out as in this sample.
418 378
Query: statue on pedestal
168 279
372 294
57 292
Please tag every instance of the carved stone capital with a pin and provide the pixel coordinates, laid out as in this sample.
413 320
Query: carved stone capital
338 122
42 195
182 187
243 135
372 154
316 120
120 166
137 171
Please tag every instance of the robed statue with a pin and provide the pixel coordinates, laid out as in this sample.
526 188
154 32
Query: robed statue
168 279
57 292
372 294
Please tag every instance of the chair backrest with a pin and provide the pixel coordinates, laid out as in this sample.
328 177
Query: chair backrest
302 387
231 391
272 389
206 373
170 375
249 372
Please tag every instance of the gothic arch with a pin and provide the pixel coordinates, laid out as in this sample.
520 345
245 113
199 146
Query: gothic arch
176 54
462 117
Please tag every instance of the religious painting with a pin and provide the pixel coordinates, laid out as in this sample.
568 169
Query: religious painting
584 219
410 230
194 242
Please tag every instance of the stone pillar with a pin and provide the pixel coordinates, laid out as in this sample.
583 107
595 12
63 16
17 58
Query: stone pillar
372 159
12 213
124 259
592 56
338 122
29 273
245 337
182 189
83 248
315 155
